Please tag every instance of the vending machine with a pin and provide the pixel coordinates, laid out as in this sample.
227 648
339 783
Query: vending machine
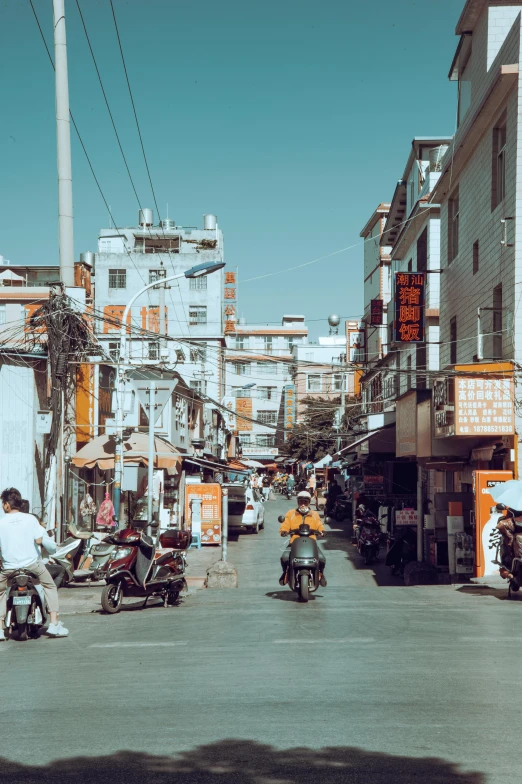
482 481
203 511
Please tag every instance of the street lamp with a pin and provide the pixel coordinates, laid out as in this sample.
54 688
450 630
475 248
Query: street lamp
206 268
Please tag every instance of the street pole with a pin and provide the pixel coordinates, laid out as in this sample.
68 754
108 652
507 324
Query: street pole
150 481
118 456
63 146
224 525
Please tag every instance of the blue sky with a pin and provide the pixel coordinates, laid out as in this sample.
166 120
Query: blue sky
289 119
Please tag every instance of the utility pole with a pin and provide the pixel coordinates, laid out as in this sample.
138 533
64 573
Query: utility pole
63 147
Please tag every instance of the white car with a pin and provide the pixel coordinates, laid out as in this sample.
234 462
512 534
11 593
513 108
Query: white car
245 509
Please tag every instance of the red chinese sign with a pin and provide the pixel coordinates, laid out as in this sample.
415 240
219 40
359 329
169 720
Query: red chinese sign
409 307
376 312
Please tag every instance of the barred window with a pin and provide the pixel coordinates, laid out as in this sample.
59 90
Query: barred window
154 350
267 417
198 284
197 315
241 341
266 393
313 382
198 354
242 368
117 279
114 350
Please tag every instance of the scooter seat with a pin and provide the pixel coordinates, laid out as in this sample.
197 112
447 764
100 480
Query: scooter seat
78 534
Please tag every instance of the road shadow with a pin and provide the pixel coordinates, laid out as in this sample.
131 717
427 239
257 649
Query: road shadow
290 596
244 762
482 591
339 538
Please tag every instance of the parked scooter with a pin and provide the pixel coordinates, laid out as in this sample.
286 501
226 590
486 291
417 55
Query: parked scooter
507 538
342 509
369 538
402 549
26 609
135 569
303 565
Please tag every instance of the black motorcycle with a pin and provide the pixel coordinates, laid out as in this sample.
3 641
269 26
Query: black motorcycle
26 610
304 567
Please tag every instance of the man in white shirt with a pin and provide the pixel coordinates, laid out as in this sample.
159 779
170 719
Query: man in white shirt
19 535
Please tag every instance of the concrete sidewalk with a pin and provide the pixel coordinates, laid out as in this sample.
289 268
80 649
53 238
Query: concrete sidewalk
85 597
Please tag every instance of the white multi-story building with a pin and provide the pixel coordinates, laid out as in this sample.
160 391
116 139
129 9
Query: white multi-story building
179 326
130 258
258 379
479 192
410 241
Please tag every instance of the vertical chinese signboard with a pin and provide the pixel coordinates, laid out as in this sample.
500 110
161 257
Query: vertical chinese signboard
289 404
230 302
376 312
244 407
409 307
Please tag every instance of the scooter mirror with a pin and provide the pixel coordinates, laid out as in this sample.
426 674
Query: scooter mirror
281 519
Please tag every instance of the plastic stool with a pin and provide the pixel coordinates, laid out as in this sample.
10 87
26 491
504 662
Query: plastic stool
196 541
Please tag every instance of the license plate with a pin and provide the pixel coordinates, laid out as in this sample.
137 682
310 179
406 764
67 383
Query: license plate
21 600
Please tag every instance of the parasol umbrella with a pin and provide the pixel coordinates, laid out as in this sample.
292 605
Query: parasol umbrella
101 450
508 493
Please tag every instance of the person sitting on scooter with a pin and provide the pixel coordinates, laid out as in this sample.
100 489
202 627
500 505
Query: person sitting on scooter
293 519
290 483
19 535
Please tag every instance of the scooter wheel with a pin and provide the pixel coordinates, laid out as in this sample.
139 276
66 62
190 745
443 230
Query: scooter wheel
172 597
111 599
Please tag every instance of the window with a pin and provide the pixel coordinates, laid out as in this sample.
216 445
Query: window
156 274
242 368
313 382
268 344
498 184
453 340
265 439
266 393
154 350
241 341
241 392
197 315
497 322
410 379
114 350
290 343
198 354
464 99
2 314
198 284
156 244
117 279
453 226
475 257
267 417
199 386
267 369
338 382
245 440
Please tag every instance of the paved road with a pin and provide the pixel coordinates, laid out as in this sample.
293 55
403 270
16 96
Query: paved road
367 683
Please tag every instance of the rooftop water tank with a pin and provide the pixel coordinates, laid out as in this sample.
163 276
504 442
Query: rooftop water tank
146 217
87 258
167 224
436 156
209 222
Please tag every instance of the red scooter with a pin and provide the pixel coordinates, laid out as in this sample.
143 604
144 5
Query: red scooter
369 539
136 569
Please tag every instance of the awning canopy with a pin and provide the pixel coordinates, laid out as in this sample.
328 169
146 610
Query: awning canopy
253 463
366 437
211 466
323 462
101 450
